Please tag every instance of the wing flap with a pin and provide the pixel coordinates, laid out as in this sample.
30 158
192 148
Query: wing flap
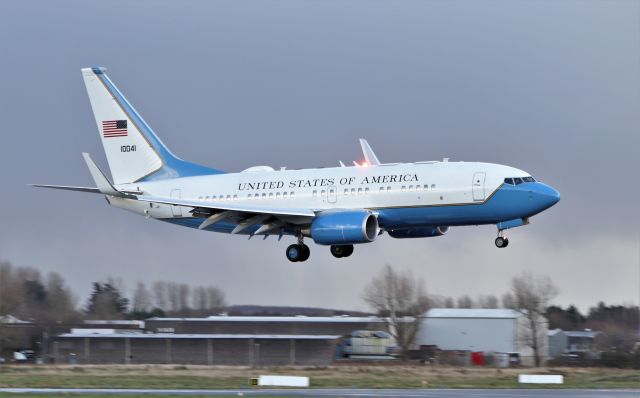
228 206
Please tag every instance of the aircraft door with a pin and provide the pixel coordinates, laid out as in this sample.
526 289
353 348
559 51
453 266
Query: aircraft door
176 210
478 186
332 194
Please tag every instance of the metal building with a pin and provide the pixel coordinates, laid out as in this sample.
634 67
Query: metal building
480 330
333 325
102 347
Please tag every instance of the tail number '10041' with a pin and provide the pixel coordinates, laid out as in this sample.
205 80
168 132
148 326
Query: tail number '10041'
128 148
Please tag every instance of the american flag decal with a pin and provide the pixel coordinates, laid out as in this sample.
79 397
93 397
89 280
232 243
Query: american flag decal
114 128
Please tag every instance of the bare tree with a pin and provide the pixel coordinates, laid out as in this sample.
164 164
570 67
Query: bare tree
208 298
61 302
141 301
531 295
160 294
465 302
401 301
488 301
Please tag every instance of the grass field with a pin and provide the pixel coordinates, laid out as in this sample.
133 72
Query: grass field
365 376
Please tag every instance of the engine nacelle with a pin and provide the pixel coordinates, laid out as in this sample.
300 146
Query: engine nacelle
418 232
344 228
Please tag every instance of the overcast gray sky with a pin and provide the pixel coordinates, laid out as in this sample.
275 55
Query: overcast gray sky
551 87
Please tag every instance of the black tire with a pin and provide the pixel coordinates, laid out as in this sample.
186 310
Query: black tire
348 250
501 242
294 253
306 252
337 251
506 242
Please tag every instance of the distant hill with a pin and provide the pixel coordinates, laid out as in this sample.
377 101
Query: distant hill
270 310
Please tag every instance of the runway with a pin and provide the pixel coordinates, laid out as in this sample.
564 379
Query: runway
346 392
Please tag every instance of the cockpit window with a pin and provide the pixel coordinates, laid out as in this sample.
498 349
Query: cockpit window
518 180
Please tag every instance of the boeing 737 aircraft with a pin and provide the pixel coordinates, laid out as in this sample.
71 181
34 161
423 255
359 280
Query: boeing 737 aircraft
337 206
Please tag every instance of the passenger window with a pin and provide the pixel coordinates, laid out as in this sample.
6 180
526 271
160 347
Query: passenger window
323 192
353 191
426 187
291 194
235 197
381 189
359 191
346 192
206 198
264 195
270 195
228 197
403 188
199 197
366 190
433 187
388 189
315 193
284 195
410 187
277 195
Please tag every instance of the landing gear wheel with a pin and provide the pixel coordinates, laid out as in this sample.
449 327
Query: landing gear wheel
306 252
298 252
502 242
339 251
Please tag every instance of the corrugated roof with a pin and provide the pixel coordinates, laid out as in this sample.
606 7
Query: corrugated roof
199 336
473 313
327 319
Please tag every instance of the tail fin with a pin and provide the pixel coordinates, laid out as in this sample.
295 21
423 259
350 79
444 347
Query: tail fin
133 150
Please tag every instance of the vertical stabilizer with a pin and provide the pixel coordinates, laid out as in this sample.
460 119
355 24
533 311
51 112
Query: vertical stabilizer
133 150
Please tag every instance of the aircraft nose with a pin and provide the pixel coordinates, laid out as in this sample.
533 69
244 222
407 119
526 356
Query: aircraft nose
545 195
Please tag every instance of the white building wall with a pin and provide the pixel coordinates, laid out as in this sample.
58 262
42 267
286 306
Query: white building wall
473 334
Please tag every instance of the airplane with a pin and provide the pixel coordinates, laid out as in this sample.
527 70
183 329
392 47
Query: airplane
335 206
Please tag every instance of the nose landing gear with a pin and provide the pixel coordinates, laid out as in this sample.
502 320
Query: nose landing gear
501 242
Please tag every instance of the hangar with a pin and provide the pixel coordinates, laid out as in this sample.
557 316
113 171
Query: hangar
109 346
480 330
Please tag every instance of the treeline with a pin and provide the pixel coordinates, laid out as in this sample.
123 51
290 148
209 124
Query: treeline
28 295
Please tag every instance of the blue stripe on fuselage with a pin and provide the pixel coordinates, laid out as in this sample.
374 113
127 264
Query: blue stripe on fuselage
507 203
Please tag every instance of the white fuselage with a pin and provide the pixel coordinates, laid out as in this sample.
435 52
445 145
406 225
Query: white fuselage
372 187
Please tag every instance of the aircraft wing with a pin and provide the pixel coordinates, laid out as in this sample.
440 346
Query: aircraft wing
230 207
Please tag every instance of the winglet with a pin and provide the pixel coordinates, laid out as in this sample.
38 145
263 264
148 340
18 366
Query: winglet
101 181
369 156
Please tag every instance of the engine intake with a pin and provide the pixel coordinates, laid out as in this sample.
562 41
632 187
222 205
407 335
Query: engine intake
418 232
344 228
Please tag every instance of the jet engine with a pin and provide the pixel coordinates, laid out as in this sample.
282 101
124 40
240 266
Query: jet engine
344 228
417 232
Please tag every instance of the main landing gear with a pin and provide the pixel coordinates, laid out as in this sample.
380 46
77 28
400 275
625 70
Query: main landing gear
298 251
501 241
339 251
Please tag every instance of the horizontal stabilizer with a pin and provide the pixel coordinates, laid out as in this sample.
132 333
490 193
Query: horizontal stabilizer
68 188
